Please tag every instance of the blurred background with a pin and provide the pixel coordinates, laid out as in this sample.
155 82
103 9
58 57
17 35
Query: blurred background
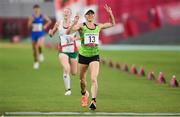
146 37
137 21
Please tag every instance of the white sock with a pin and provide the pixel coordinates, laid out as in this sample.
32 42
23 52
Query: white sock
66 79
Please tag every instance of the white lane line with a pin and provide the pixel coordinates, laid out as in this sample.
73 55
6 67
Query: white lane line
92 113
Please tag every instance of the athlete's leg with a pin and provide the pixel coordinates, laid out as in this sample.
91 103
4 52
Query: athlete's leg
83 68
35 50
94 71
40 49
40 45
66 72
35 54
73 67
64 59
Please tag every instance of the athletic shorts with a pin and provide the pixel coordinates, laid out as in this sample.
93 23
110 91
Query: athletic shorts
36 35
87 60
71 55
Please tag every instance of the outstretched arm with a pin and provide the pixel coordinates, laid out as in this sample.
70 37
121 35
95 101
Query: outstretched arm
75 26
54 29
111 17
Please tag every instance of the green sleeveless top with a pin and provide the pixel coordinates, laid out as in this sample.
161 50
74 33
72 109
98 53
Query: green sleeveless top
89 50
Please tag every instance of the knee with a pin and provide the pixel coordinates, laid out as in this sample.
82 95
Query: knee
94 81
66 69
73 72
82 81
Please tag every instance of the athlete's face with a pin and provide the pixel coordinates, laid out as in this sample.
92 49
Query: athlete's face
67 13
36 10
90 17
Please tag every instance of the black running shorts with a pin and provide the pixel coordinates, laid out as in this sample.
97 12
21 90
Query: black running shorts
87 60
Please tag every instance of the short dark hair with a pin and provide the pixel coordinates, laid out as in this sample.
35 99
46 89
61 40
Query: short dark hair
36 6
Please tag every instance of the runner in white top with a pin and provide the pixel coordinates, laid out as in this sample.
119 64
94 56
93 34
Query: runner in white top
67 48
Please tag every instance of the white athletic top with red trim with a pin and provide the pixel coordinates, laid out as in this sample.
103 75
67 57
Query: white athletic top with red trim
67 42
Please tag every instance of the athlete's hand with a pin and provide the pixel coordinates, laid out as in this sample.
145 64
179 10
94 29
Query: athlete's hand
50 32
108 9
45 27
76 18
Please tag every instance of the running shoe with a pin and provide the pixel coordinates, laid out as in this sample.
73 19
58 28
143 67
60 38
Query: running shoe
68 93
92 105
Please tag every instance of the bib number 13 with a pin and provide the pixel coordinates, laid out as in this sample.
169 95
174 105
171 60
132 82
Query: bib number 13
91 39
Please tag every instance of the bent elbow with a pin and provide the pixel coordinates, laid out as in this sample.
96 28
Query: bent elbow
114 23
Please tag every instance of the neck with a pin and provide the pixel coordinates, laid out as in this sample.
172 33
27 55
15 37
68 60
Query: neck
90 22
37 14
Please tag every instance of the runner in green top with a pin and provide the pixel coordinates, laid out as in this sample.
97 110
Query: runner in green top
89 52
91 49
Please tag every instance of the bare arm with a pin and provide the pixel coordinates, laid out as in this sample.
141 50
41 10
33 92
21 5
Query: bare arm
111 17
75 26
48 22
30 20
54 29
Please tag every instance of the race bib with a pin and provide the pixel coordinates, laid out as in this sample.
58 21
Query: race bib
68 49
37 27
66 40
91 39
